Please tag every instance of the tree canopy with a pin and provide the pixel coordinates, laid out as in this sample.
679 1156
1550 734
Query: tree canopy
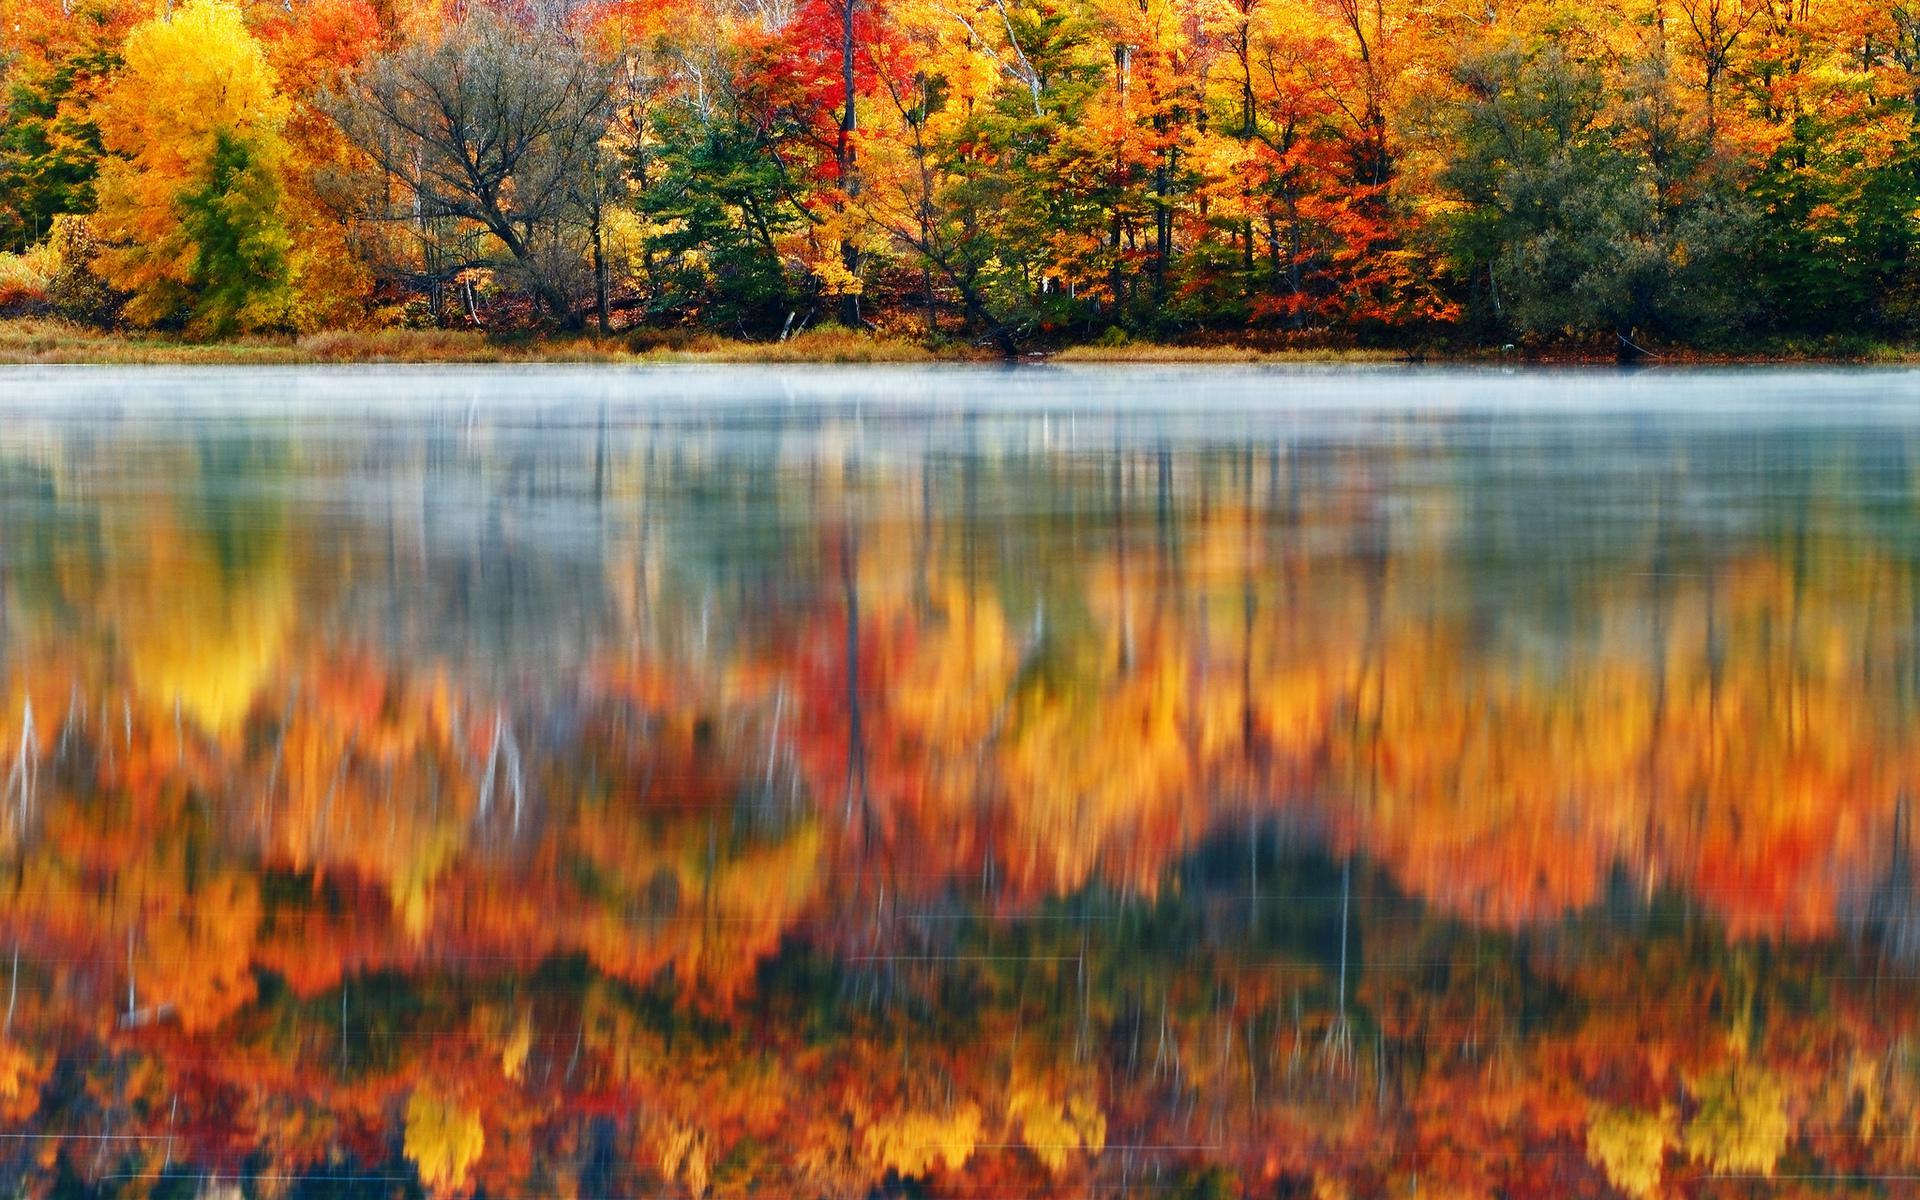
1711 173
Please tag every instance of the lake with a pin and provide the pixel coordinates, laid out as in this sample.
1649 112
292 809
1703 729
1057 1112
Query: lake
968 782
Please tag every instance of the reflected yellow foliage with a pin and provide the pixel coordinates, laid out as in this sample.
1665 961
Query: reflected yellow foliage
1631 1147
513 1055
1257 836
914 1142
201 636
1741 1126
1054 1129
443 1139
683 1157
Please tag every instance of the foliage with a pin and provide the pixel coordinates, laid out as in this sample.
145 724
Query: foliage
50 146
491 124
189 194
293 887
1002 172
443 1140
913 1143
1741 1126
1577 222
719 204
1631 1146
240 248
24 278
1053 1130
74 291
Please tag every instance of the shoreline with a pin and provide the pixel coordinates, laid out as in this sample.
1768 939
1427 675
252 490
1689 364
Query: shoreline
37 342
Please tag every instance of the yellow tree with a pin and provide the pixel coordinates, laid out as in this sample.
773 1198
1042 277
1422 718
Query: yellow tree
189 197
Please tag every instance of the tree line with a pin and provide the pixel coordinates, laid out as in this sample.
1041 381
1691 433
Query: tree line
1007 171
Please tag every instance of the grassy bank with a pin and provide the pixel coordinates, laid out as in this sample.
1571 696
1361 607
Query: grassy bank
42 341
33 340
29 341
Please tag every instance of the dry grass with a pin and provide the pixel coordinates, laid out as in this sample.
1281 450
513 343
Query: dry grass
45 340
49 340
825 344
38 340
449 346
1148 352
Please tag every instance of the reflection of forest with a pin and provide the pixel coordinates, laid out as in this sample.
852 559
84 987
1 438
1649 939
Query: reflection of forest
663 808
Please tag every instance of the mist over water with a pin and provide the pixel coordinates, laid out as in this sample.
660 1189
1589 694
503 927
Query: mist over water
959 781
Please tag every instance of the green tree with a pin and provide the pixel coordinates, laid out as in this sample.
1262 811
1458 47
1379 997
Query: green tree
1589 208
49 148
719 200
1027 185
240 264
1839 234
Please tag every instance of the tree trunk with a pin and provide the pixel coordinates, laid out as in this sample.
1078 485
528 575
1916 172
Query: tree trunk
849 180
600 274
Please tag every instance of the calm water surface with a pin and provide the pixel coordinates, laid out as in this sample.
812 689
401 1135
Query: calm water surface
971 783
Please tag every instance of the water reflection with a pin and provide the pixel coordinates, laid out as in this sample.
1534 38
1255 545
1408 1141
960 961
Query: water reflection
746 784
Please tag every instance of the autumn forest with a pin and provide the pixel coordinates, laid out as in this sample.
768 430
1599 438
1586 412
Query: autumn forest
1453 175
792 797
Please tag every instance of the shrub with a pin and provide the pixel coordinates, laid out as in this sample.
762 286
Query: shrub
74 291
23 283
